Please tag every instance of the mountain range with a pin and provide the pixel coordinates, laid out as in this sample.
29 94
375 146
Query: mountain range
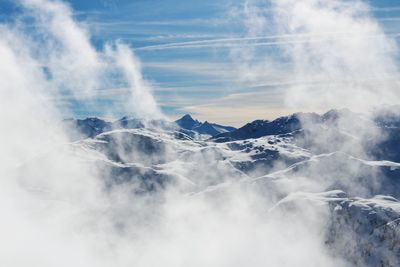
300 160
91 127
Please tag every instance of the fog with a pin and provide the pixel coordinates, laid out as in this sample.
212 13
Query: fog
58 209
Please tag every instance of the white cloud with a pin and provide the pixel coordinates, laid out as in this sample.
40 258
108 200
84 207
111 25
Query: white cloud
356 60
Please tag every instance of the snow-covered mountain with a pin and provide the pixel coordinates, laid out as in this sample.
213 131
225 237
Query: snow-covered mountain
88 127
211 129
91 127
259 128
187 122
282 159
286 124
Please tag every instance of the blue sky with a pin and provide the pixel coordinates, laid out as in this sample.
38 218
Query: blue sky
185 75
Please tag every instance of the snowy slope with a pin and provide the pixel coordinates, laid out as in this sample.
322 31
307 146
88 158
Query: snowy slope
279 160
366 231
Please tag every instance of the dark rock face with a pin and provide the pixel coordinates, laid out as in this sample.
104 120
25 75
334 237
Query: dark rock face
206 128
89 127
259 128
128 123
187 122
125 147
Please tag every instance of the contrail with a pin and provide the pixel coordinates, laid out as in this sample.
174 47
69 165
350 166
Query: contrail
240 41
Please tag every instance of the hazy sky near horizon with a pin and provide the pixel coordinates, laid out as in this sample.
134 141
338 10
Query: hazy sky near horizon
189 53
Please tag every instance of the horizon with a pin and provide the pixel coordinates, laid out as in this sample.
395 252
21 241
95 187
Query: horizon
192 116
395 108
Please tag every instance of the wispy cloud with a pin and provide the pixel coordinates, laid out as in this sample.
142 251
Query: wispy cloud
389 19
222 70
154 27
259 41
236 109
386 9
268 99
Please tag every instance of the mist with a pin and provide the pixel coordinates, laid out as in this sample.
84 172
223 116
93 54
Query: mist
64 204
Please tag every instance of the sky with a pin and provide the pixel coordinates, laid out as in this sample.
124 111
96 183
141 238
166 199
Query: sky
206 58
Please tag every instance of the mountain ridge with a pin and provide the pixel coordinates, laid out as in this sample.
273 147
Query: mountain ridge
92 126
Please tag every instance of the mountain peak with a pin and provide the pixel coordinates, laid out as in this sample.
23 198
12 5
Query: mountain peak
187 117
187 122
